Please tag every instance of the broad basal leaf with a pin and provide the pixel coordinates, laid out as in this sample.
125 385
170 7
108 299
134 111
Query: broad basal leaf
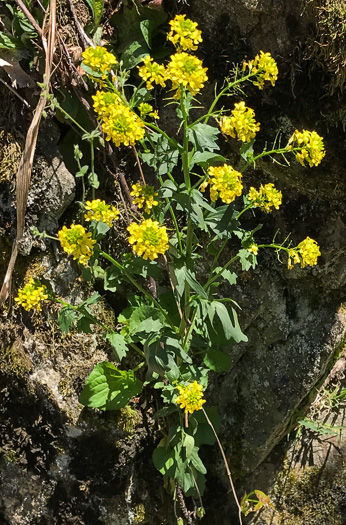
109 388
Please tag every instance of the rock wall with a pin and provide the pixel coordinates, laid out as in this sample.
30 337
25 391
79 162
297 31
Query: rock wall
62 464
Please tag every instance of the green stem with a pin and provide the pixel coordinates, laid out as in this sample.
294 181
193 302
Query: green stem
211 280
177 231
92 166
271 152
138 286
68 116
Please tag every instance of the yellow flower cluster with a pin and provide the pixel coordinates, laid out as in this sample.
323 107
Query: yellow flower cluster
241 123
147 109
191 397
149 239
185 70
152 72
184 33
77 242
100 211
120 123
225 182
311 144
265 68
144 196
32 295
305 254
266 198
99 60
104 101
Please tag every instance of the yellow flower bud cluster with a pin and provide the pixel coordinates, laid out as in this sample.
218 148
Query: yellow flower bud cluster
100 211
99 60
241 123
148 239
265 68
184 33
224 182
305 254
266 198
311 144
32 295
119 122
76 241
144 196
191 397
147 109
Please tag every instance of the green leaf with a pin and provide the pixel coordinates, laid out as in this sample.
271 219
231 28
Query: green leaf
165 154
163 459
167 189
166 411
217 361
229 276
90 72
66 318
203 137
196 461
246 151
134 54
189 276
139 266
146 320
161 360
97 11
8 41
247 259
84 323
145 26
93 180
109 388
188 444
222 221
205 434
112 278
207 158
118 344
93 299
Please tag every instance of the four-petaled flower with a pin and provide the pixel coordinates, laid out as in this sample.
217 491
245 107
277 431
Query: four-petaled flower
144 196
311 147
99 60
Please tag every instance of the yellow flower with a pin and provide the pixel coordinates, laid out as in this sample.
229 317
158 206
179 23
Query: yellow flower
100 211
225 182
305 254
122 126
104 102
185 70
99 59
144 196
265 68
77 242
32 295
311 144
241 123
253 248
191 397
152 72
266 198
184 33
149 239
147 109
